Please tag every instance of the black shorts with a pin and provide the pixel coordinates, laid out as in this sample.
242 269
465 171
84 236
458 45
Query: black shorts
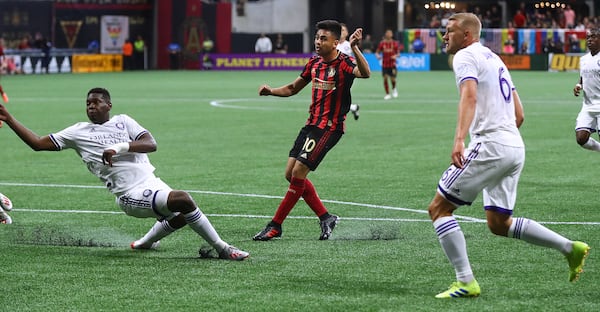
389 71
312 144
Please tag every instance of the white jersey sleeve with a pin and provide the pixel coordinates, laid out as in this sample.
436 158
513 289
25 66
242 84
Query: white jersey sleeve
345 48
495 118
589 70
90 140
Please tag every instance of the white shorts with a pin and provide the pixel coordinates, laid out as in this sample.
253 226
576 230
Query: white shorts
147 200
489 167
587 121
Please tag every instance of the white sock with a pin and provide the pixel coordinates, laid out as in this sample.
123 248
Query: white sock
159 230
200 224
537 234
454 245
592 145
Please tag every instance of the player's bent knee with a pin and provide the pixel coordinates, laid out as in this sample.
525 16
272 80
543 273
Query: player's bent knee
180 201
440 207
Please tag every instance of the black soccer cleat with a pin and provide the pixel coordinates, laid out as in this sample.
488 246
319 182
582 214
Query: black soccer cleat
327 226
269 232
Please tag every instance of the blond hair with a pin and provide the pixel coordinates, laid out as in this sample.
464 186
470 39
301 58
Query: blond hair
468 21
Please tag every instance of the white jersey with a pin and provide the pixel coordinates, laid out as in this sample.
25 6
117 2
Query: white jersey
494 118
90 140
345 48
589 68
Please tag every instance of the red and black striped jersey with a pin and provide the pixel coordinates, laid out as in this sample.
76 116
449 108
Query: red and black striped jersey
389 48
331 83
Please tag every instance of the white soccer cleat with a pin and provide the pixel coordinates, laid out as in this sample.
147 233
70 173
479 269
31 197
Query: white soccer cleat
233 253
387 97
136 245
354 110
5 203
395 93
4 217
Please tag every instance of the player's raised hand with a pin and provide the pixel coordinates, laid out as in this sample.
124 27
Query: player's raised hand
4 115
264 90
577 89
356 37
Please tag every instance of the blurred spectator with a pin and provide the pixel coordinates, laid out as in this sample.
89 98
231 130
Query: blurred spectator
207 44
25 44
435 22
280 45
207 47
263 44
139 52
94 46
367 45
240 8
569 15
174 54
574 46
553 47
7 66
127 55
496 17
524 48
37 41
509 45
510 25
581 24
520 19
45 46
486 20
418 45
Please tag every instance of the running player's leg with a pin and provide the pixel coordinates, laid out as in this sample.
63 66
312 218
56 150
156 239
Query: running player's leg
499 201
586 124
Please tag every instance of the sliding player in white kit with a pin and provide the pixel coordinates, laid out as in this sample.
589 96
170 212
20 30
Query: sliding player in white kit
489 112
115 150
589 83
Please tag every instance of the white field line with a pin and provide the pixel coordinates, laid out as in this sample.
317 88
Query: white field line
365 205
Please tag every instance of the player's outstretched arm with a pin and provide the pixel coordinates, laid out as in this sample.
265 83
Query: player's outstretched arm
34 141
284 91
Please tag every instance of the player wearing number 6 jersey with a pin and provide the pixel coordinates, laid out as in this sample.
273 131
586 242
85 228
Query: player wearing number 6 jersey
331 73
490 113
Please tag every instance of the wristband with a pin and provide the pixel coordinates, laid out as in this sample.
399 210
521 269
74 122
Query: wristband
120 148
579 86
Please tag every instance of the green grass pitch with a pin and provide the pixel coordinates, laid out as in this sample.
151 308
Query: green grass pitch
68 247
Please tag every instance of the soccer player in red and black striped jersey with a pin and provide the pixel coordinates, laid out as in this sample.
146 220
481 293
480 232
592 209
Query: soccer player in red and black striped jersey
332 74
387 51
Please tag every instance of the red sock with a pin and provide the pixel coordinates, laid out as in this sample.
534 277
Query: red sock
292 196
312 199
386 87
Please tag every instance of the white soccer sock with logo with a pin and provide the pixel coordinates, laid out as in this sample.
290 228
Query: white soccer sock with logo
592 145
200 224
454 245
537 234
159 230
